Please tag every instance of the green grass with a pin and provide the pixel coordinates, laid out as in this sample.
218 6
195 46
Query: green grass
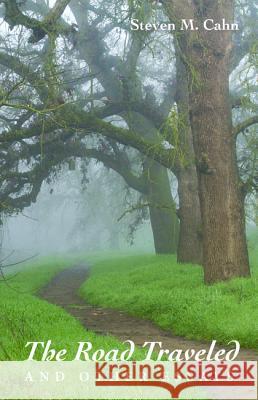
24 317
174 297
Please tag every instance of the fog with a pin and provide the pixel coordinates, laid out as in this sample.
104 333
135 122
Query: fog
74 188
69 219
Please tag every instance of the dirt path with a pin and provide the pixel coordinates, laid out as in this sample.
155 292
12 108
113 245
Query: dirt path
62 291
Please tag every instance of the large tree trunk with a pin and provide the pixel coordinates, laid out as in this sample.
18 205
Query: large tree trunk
190 237
162 208
221 199
164 221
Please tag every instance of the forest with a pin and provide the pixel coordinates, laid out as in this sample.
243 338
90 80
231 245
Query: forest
131 150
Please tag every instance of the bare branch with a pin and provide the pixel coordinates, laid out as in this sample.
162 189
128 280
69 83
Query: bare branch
14 16
244 125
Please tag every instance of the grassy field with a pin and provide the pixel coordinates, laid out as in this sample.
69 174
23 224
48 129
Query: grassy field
175 298
24 317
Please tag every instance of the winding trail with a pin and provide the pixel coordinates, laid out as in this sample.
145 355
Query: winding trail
62 291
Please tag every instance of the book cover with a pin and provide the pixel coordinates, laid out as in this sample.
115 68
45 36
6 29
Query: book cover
128 199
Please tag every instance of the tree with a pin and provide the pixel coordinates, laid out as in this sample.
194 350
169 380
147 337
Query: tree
207 56
108 69
71 122
127 87
120 81
190 247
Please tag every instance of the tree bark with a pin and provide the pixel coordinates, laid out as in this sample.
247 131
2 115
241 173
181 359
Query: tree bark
207 53
162 209
190 237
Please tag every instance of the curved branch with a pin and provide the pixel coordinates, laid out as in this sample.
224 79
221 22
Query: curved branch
57 153
244 125
135 182
83 124
14 16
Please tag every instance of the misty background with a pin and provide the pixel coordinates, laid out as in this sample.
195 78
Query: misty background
83 205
